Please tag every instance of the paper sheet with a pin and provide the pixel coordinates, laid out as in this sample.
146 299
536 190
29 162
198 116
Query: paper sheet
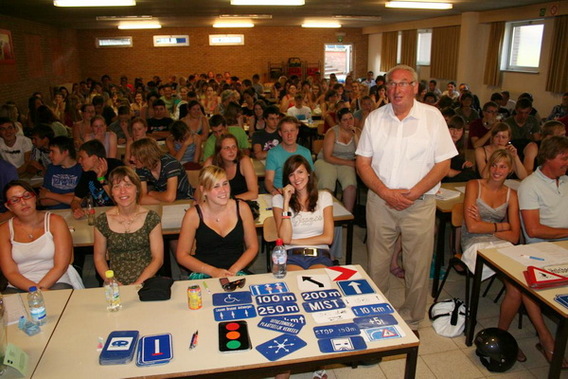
551 253
172 215
15 309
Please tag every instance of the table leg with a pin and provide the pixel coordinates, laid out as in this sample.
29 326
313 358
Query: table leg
471 318
559 348
411 362
349 244
440 246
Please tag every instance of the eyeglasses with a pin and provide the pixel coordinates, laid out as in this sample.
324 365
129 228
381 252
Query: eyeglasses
400 84
16 199
231 286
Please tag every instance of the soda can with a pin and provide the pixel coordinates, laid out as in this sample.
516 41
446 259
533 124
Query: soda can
194 300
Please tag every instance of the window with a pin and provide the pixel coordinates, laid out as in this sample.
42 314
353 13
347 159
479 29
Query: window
399 47
114 42
424 47
522 45
166 41
226 39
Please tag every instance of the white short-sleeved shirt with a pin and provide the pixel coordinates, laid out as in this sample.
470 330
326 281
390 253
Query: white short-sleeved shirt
404 152
307 224
15 154
538 191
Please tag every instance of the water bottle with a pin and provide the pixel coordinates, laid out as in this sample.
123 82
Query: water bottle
279 257
90 211
37 306
112 292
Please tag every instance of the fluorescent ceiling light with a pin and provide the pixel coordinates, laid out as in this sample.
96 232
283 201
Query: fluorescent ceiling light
321 24
269 2
247 16
242 24
357 18
124 18
94 3
139 25
417 5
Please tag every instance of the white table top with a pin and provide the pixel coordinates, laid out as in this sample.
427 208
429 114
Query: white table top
72 350
514 270
34 346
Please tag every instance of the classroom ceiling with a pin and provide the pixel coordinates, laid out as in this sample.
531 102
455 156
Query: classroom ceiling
202 13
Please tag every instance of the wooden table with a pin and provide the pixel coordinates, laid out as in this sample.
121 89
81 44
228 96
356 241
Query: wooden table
545 298
34 346
71 352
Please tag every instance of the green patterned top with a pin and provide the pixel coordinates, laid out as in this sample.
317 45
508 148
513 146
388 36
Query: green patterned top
129 253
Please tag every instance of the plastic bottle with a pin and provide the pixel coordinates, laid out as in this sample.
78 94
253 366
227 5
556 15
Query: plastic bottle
37 306
90 211
279 258
112 292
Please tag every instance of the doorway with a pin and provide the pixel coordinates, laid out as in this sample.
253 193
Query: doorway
338 60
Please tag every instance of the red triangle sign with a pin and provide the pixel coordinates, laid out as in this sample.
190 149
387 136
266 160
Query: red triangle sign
539 278
388 333
346 273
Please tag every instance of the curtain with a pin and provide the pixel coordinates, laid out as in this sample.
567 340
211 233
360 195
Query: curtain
445 49
492 74
388 50
557 80
409 47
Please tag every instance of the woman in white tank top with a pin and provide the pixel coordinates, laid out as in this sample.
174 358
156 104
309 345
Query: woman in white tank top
36 248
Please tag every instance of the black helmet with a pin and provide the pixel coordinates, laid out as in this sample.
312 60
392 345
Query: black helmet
497 349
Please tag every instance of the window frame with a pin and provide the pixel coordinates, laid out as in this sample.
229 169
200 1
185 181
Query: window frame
508 46
418 61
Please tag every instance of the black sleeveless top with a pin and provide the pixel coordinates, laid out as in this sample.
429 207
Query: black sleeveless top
217 251
238 183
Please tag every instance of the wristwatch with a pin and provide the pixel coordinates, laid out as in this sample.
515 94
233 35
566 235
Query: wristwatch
287 214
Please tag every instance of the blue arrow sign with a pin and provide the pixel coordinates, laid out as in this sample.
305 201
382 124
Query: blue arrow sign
236 312
269 288
355 287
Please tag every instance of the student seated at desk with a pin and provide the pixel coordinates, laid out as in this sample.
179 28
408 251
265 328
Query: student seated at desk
243 180
304 217
36 248
223 228
163 178
62 175
129 234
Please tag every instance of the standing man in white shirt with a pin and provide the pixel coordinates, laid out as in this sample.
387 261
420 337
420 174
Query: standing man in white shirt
404 152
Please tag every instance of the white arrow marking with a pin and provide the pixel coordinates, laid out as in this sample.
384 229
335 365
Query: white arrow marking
355 287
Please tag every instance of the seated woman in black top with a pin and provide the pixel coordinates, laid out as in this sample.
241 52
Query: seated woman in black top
223 229
239 168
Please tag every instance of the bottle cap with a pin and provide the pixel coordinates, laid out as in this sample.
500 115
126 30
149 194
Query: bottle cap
32 289
109 274
279 242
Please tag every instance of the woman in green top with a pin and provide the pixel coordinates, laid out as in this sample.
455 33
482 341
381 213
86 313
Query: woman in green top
128 235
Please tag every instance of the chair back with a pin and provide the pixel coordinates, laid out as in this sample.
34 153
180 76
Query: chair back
317 145
455 236
269 232
193 178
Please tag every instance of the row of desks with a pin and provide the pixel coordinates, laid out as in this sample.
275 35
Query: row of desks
67 345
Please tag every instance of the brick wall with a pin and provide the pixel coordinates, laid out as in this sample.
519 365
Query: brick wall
46 56
262 45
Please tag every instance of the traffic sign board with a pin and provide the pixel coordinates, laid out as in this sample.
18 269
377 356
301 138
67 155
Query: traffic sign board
236 312
355 287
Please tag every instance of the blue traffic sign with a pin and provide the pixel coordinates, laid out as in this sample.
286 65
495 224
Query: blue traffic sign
277 324
323 305
374 321
232 298
320 295
280 346
372 309
355 287
277 309
269 288
340 330
275 298
334 345
236 312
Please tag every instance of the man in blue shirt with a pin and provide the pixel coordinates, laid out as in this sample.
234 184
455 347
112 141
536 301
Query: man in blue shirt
61 176
288 128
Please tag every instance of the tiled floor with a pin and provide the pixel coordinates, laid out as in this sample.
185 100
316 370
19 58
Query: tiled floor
439 357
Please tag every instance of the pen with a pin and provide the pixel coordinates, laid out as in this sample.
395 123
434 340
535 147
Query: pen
207 288
532 257
194 338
